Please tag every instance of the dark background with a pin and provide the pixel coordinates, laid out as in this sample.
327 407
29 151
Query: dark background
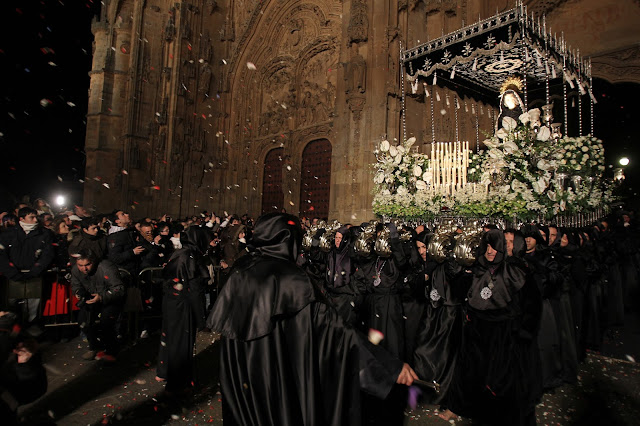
45 58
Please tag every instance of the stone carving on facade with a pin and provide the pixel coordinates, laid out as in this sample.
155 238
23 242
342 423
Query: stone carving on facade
356 75
358 28
619 66
204 80
170 28
211 6
356 105
206 47
449 7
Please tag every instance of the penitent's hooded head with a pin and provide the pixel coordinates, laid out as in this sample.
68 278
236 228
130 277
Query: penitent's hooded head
492 248
195 238
278 235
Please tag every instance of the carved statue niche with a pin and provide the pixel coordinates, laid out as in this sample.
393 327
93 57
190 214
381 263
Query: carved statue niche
356 75
170 28
204 81
206 47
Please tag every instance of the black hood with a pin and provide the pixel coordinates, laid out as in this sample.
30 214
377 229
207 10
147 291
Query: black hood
494 238
534 232
195 239
277 235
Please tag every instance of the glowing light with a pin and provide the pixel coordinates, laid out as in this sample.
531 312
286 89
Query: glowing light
60 200
624 161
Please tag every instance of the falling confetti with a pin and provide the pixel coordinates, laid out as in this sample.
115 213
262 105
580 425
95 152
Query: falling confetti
106 185
375 336
44 102
251 66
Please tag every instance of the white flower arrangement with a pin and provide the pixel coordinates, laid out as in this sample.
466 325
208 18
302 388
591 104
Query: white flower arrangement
522 173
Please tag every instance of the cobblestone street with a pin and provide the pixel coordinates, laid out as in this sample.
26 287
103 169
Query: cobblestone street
83 393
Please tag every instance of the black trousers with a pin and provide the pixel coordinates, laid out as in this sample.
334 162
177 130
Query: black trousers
98 321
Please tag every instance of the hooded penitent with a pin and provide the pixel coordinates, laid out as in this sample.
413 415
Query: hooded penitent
493 281
287 358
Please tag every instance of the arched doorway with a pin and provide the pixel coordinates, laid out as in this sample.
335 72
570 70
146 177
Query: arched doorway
315 179
272 196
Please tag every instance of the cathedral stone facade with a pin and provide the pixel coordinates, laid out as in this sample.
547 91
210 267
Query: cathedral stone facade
261 105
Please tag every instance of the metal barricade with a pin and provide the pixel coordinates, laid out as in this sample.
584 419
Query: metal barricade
58 310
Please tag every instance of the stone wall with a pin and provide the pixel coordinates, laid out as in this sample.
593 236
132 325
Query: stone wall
187 98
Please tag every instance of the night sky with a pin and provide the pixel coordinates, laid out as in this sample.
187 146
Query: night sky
45 57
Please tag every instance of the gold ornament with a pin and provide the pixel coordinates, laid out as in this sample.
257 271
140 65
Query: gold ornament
512 83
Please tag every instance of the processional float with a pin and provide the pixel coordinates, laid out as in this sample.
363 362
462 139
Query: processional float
529 168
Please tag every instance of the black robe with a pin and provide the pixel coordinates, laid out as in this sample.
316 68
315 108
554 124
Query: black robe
287 357
339 289
440 332
495 379
184 281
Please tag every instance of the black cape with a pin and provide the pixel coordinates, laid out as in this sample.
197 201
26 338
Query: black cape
287 358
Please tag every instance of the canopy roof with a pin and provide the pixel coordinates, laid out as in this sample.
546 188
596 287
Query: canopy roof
484 54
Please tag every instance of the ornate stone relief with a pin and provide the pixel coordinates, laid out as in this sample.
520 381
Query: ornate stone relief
449 7
358 28
616 67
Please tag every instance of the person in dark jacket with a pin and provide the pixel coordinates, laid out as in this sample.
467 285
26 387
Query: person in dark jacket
123 245
100 293
26 251
90 237
22 376
287 356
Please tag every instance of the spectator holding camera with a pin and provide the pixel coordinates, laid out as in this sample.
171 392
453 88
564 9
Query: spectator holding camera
100 293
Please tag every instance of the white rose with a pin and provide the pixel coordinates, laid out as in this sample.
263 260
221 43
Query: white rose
509 124
421 185
574 162
502 133
542 185
386 192
400 149
393 150
384 146
417 171
524 118
490 143
563 161
543 134
401 190
379 178
585 148
578 167
427 176
509 147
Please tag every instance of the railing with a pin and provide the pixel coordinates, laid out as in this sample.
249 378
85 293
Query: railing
57 303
